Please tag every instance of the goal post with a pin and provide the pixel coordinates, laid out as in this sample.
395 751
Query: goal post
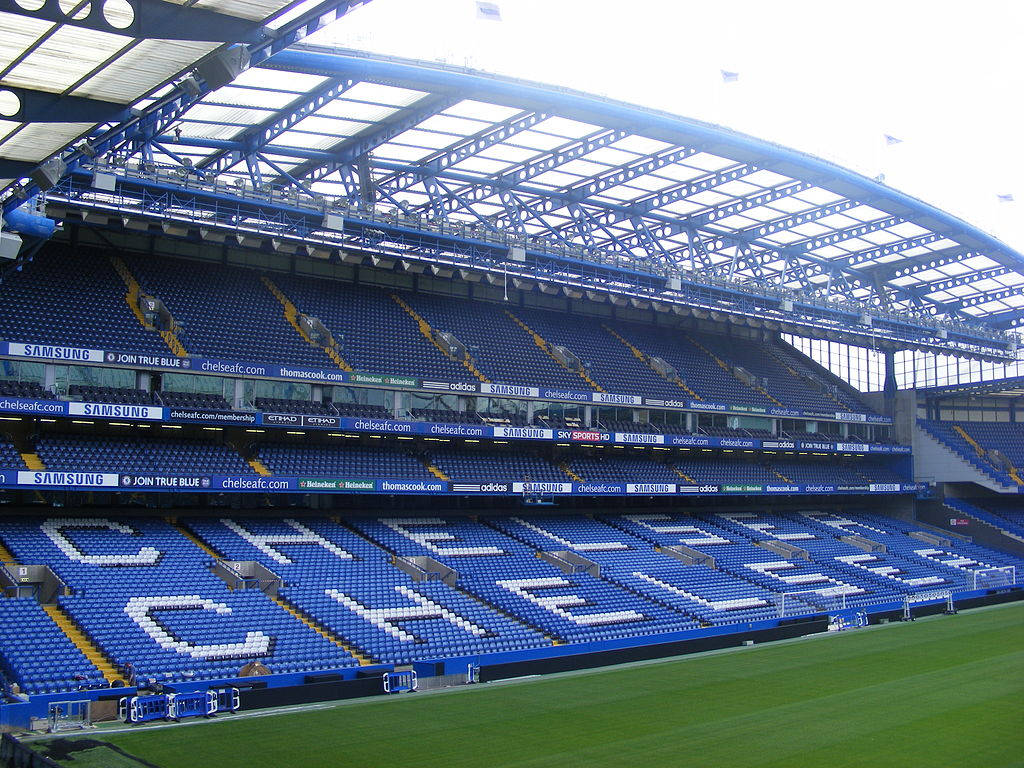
987 578
805 602
927 598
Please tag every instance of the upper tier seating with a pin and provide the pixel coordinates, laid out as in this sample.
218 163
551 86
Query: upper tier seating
72 298
1006 438
945 432
502 350
375 334
227 312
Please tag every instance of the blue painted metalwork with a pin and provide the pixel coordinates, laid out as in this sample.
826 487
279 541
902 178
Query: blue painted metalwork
27 223
159 115
573 231
152 19
43 107
347 151
255 138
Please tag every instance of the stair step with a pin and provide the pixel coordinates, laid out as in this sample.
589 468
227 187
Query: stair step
81 640
321 630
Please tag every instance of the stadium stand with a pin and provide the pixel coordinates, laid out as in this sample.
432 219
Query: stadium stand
37 655
75 299
142 455
95 394
1005 514
143 600
143 595
30 389
341 461
958 440
10 458
230 313
281 405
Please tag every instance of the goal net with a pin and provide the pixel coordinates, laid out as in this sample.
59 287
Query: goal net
927 598
986 578
810 601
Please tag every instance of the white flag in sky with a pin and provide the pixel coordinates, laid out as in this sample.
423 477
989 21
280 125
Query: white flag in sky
730 77
489 11
890 140
1005 198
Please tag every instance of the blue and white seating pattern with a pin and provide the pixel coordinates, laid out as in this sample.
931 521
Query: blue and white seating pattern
144 593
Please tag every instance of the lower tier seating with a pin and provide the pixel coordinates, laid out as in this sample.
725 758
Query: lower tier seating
143 597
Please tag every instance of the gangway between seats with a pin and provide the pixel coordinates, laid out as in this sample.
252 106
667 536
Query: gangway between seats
784 549
424 568
687 555
568 561
247 574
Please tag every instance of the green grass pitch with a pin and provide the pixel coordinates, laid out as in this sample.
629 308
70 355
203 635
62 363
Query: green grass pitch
942 691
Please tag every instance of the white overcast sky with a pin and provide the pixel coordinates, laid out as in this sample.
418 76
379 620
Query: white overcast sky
946 77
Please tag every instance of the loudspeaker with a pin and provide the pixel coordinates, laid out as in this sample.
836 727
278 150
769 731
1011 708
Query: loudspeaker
105 182
221 69
10 245
49 173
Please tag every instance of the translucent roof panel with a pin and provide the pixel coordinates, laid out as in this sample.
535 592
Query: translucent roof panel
649 190
96 55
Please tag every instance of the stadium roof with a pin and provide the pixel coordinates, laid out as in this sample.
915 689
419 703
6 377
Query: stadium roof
1008 387
69 67
602 181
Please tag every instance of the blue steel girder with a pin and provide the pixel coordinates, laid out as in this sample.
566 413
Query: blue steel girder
848 233
44 107
512 210
514 204
962 280
260 135
787 189
571 150
449 195
983 298
891 248
473 145
364 142
788 221
644 206
581 227
1004 321
650 242
625 173
152 19
513 180
920 262
434 197
182 95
